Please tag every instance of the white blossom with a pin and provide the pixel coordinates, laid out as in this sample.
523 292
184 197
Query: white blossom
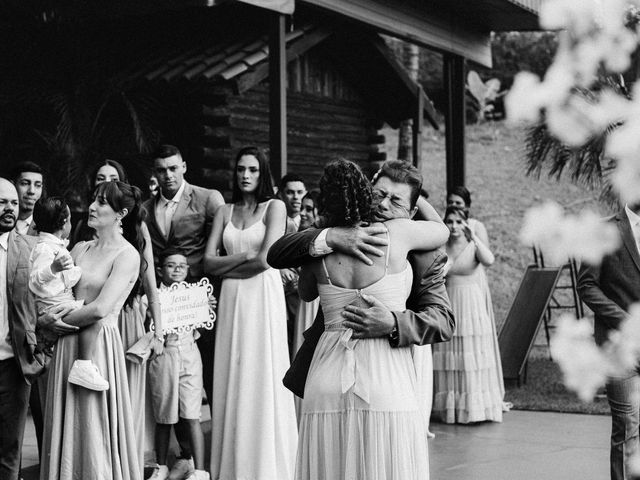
560 237
584 366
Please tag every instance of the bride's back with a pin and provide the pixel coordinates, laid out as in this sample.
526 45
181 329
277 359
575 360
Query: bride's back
349 272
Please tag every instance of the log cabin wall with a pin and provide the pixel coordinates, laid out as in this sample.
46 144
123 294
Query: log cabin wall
327 118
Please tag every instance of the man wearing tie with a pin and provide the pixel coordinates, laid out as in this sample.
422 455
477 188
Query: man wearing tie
609 289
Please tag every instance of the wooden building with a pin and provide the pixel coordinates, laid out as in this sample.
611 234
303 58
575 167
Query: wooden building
308 87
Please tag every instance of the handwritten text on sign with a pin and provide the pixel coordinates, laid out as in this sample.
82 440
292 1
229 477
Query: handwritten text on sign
185 306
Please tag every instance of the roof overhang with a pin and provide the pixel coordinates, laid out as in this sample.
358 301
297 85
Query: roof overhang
460 27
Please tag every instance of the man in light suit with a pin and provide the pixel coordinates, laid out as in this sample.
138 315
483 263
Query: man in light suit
180 218
609 289
28 179
428 318
20 361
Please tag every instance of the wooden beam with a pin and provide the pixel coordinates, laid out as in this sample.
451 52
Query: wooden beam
277 95
417 125
426 26
454 70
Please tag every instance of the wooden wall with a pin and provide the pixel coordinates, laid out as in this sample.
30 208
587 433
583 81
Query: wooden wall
326 119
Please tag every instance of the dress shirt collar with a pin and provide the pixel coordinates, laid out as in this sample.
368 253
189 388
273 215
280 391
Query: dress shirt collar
176 197
634 218
4 240
22 226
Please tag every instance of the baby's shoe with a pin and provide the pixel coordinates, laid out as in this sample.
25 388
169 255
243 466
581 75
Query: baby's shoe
86 374
199 475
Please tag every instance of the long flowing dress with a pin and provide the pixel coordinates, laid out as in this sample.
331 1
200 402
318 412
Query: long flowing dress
89 434
131 327
254 432
361 417
467 370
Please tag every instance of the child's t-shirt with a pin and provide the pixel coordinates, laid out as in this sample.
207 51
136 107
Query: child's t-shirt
52 289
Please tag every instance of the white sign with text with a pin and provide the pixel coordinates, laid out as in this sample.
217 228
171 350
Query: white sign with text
185 307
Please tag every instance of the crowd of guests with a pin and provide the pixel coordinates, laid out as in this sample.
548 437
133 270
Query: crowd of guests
341 292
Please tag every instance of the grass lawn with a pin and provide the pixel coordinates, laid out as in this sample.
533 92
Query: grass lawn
501 193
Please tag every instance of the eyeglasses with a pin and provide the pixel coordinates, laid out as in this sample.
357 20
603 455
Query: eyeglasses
397 202
176 266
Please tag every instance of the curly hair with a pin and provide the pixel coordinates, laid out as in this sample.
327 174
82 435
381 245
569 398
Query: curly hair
345 194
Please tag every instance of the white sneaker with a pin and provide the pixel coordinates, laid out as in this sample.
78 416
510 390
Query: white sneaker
160 473
199 475
86 374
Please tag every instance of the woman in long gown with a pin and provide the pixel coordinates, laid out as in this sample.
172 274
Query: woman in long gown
254 432
133 314
467 372
361 417
89 434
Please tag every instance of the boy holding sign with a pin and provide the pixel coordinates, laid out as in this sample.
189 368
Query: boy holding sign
175 379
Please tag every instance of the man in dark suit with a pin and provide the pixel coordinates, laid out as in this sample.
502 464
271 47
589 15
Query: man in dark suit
180 218
20 362
429 318
609 289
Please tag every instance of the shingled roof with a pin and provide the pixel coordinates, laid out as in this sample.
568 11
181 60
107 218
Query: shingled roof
243 63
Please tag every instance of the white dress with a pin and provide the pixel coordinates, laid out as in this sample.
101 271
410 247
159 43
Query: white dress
254 433
361 417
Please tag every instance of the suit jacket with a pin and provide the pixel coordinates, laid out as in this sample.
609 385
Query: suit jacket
428 318
22 311
190 226
611 287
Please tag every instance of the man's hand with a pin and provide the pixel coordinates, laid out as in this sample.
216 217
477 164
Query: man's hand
372 322
358 242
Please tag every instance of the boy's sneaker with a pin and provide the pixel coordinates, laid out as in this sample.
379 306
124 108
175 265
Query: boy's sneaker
199 475
183 468
86 374
160 473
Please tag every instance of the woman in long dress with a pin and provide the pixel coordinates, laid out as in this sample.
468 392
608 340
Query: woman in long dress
90 434
254 431
468 384
133 315
361 417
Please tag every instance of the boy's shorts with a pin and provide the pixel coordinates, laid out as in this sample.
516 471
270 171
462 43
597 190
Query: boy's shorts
175 380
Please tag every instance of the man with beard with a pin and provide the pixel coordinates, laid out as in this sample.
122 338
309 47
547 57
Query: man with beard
19 361
428 318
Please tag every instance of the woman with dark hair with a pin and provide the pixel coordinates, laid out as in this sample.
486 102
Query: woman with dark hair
361 416
90 434
467 372
133 315
106 171
255 425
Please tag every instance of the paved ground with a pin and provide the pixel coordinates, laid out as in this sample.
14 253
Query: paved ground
526 446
